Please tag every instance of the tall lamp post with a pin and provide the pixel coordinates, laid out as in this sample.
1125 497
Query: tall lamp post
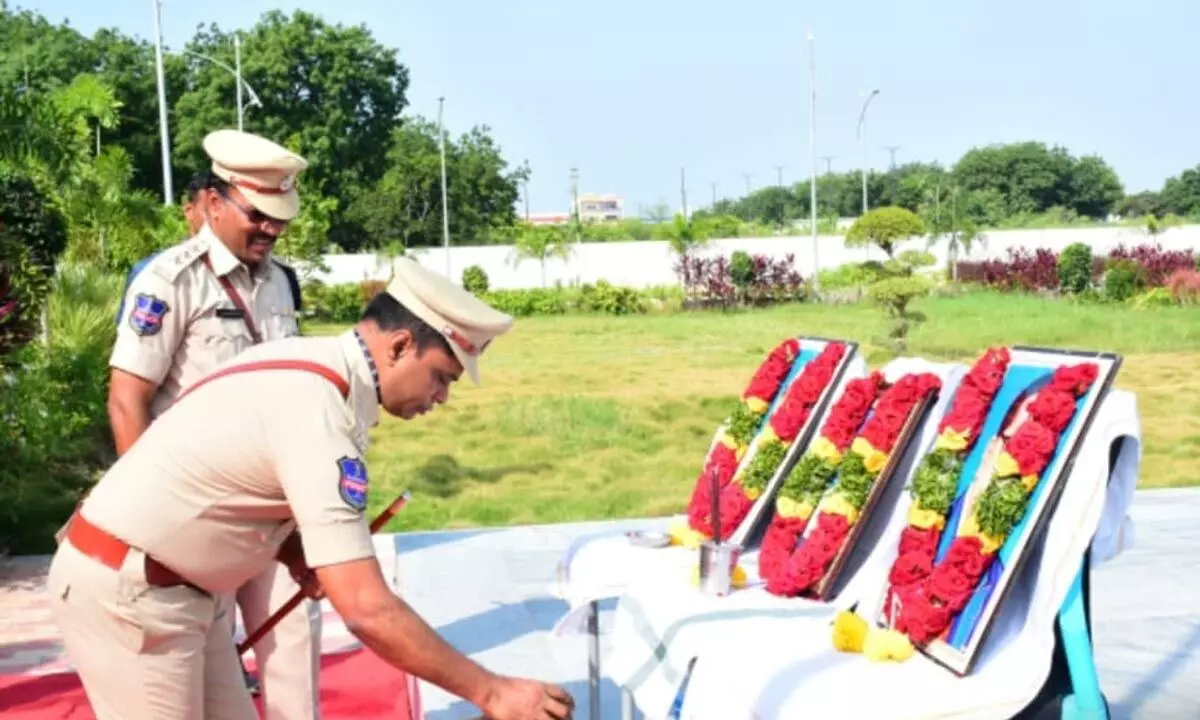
445 207
242 85
862 139
163 131
812 143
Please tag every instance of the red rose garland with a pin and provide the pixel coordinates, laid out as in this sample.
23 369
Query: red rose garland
935 482
808 480
785 423
928 607
841 509
738 496
739 428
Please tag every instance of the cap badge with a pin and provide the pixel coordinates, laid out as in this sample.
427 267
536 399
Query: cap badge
461 341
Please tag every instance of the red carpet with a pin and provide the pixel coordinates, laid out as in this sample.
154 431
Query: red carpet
354 685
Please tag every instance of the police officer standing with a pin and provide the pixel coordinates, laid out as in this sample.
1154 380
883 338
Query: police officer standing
262 463
197 305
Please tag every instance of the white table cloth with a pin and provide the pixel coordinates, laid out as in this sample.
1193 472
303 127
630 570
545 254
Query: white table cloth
761 657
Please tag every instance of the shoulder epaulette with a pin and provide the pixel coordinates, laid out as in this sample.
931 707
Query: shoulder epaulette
170 263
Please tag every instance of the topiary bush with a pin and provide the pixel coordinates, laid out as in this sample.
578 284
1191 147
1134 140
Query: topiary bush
1075 268
475 280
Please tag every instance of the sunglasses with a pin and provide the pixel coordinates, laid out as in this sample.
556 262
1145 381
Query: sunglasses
253 214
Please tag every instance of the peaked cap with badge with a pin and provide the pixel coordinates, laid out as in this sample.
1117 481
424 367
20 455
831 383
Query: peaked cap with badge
263 171
468 323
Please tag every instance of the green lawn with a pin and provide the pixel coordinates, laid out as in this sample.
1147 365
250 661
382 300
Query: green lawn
589 417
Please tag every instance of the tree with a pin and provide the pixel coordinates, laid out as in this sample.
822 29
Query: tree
405 206
540 242
331 92
895 283
884 227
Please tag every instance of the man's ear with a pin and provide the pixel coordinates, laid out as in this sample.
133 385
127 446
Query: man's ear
400 342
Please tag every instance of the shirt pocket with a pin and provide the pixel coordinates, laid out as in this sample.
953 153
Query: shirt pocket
223 338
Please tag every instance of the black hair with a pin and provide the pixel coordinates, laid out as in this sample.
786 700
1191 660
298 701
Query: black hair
390 315
205 180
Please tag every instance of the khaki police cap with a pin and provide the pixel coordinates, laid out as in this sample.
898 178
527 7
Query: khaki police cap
263 171
468 323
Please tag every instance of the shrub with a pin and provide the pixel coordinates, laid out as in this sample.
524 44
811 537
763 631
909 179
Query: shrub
1075 268
1122 280
1023 270
475 280
32 217
710 280
1154 297
23 289
523 303
54 431
1184 286
368 289
1155 263
611 300
741 270
342 303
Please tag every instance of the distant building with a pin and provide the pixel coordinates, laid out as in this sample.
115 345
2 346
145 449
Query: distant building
549 218
601 208
592 209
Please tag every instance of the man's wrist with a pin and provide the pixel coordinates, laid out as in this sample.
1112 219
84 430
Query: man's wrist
486 691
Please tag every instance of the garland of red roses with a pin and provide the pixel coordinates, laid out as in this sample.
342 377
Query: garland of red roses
928 607
935 482
785 423
806 483
861 467
737 431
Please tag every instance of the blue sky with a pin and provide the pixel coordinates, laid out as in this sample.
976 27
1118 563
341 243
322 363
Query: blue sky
630 92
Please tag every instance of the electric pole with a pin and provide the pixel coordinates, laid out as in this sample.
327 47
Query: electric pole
892 151
828 163
575 200
683 193
779 175
163 130
714 189
747 176
445 206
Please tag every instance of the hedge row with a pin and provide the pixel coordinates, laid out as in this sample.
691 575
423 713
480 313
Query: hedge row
1120 275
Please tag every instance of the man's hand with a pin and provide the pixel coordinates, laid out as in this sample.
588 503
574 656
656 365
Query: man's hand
520 699
308 582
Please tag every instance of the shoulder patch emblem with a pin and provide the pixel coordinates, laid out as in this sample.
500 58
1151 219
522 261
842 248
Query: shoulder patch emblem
352 482
146 317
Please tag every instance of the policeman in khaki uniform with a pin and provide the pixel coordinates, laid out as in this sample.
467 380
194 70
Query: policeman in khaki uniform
260 464
202 303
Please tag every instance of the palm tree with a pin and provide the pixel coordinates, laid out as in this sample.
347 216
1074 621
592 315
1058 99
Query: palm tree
541 242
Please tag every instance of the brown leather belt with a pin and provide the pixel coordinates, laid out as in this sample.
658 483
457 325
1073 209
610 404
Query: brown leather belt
111 552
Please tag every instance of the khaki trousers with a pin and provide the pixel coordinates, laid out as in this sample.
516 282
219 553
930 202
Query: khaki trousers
145 653
289 657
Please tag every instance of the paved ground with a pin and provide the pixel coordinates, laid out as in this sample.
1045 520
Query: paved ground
490 593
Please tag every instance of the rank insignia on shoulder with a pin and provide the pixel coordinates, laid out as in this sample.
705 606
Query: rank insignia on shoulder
146 317
352 482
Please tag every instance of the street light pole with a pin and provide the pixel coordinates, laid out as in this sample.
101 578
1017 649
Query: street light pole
163 131
812 143
237 64
445 208
862 139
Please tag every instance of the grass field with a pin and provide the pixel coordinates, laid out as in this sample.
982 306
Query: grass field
586 417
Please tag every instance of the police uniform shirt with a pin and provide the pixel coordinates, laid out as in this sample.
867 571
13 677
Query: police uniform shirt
212 489
178 322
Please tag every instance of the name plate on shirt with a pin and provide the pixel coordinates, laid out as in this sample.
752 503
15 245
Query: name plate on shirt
230 313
